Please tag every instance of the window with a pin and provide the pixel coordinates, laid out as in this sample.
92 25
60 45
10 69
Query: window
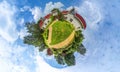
48 21
45 23
71 19
78 27
65 17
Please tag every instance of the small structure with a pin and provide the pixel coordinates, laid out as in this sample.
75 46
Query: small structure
55 12
70 16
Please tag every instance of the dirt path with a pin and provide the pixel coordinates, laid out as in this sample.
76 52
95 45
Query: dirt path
50 35
61 44
64 43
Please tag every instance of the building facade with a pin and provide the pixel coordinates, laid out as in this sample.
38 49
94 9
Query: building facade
70 16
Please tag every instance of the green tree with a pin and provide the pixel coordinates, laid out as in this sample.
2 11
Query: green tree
35 36
60 16
70 59
81 49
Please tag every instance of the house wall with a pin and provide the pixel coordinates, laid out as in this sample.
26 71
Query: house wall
75 22
45 23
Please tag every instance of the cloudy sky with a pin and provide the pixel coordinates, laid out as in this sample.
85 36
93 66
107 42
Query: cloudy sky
102 35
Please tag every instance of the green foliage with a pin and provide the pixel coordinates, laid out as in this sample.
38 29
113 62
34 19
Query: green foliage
68 59
67 54
52 18
81 49
35 36
56 9
60 59
60 16
74 46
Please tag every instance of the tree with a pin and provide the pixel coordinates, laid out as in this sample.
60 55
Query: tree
81 49
68 59
35 36
59 15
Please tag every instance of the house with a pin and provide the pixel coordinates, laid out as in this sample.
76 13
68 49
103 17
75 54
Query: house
71 16
74 18
44 21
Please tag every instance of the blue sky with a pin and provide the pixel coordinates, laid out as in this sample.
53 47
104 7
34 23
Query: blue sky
102 36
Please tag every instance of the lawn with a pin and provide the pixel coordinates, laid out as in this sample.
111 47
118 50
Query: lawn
60 31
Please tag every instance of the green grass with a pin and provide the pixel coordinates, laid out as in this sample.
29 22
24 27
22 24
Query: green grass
60 31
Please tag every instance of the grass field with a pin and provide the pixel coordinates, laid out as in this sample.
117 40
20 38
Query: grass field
61 30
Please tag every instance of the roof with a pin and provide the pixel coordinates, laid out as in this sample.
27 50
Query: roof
65 12
47 16
81 20
40 23
79 17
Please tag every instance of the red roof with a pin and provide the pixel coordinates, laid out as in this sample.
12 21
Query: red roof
64 12
40 23
47 16
81 19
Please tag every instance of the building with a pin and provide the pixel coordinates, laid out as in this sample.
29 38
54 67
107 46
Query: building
71 16
74 18
44 21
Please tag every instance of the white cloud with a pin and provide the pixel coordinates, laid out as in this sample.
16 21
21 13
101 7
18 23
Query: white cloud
42 66
7 66
23 33
21 21
69 8
7 58
7 24
91 14
9 52
37 13
49 6
25 8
